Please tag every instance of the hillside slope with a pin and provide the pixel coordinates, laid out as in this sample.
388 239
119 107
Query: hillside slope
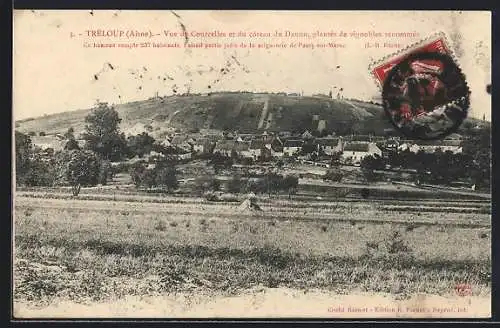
245 112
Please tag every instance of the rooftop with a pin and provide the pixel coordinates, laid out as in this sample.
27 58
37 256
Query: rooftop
294 143
358 146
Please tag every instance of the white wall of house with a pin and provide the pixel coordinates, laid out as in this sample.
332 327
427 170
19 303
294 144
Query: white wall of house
290 151
330 150
184 156
276 154
198 148
432 149
357 156
255 152
374 150
246 154
223 151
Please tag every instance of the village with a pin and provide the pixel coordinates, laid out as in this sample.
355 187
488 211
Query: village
267 146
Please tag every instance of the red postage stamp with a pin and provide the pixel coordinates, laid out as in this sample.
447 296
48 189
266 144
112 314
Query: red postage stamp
424 91
435 43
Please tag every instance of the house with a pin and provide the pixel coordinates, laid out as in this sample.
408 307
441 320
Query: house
154 156
224 147
455 146
306 135
404 146
203 146
256 148
182 142
46 142
214 136
329 146
285 134
390 146
321 125
246 137
184 156
243 149
275 146
276 152
292 147
355 151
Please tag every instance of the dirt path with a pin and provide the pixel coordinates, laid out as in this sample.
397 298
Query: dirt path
263 115
270 302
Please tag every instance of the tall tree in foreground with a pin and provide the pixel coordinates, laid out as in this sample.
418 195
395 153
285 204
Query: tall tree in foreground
102 133
78 168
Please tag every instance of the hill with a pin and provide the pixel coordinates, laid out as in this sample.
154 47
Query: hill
245 112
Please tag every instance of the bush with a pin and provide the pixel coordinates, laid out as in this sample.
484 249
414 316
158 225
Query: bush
334 175
396 244
234 185
71 144
40 173
105 172
160 225
162 175
206 183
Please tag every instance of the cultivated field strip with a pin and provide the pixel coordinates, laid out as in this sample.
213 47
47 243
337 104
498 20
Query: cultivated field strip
297 201
368 213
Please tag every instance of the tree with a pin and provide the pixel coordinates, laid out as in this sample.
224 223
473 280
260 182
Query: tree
369 164
256 186
234 185
162 175
207 183
40 173
333 174
105 172
166 176
308 148
273 182
219 161
70 134
140 144
290 184
24 149
102 132
78 168
137 172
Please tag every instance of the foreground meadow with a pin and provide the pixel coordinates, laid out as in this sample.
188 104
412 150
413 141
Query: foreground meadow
88 254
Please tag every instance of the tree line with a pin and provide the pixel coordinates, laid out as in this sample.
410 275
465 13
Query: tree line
89 165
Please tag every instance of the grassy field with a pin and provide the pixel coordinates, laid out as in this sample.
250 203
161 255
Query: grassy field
99 250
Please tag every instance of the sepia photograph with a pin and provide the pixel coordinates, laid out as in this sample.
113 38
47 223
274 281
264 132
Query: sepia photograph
179 164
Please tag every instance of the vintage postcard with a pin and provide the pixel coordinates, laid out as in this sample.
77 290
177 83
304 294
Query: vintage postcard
251 164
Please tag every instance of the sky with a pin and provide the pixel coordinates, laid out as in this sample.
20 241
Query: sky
53 71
